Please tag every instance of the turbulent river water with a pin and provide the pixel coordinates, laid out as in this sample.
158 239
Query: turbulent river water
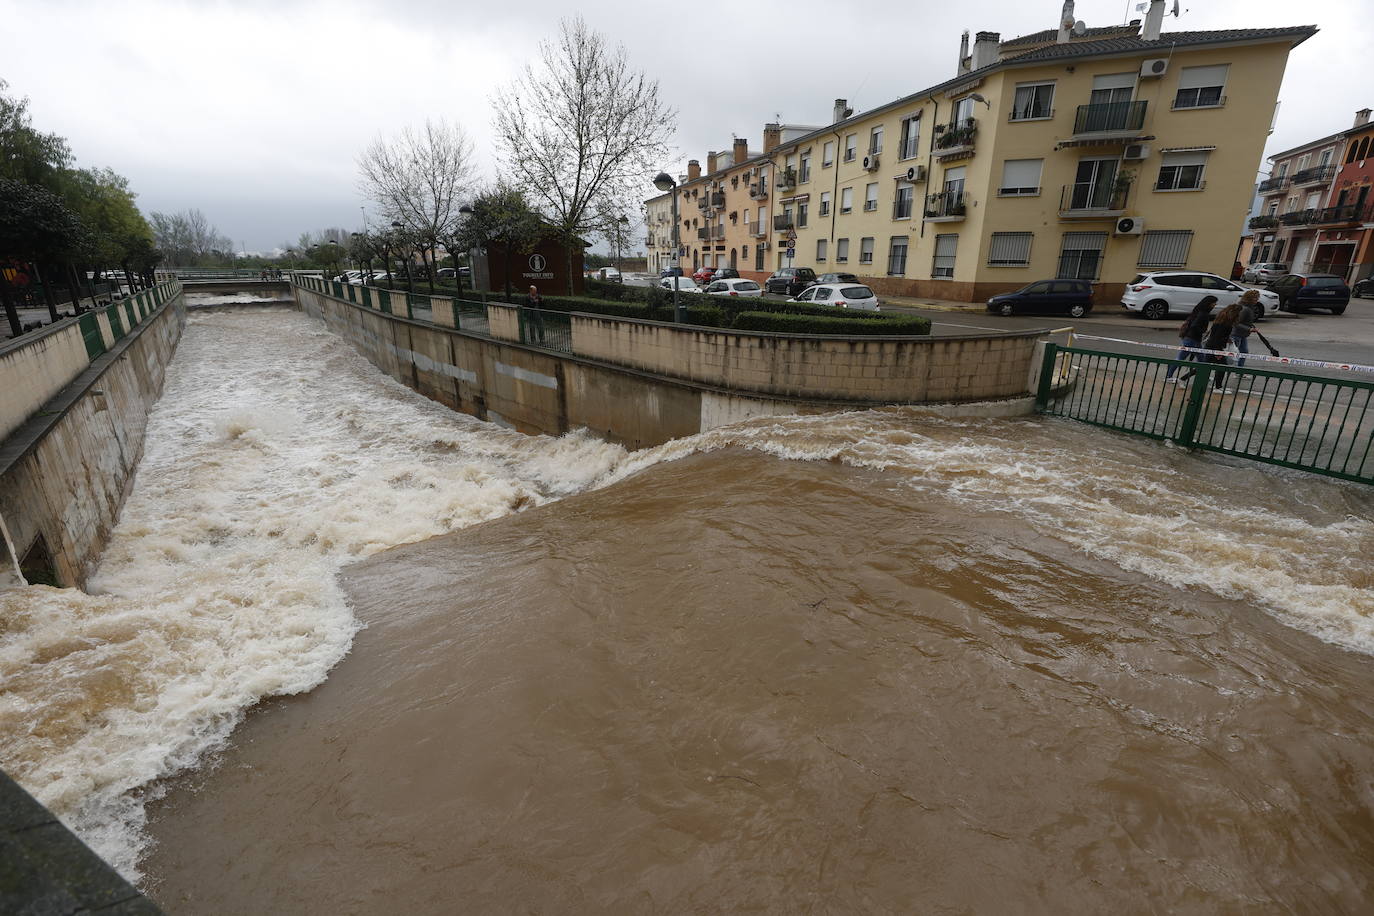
871 661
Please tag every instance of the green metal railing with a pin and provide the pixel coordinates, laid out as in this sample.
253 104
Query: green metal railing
1322 425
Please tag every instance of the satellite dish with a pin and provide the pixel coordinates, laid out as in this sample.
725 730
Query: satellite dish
1080 28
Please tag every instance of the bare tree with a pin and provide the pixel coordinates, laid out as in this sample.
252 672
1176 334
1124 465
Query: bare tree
583 129
188 238
418 178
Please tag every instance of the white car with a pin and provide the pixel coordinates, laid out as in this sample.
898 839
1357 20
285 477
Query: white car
735 287
1265 272
684 284
1162 293
840 295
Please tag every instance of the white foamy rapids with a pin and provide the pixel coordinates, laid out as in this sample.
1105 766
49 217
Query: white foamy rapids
275 455
238 298
1291 543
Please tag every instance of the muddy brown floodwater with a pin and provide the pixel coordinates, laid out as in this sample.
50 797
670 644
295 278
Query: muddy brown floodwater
737 683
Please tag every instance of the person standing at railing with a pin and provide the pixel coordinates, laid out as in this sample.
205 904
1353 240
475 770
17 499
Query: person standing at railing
534 318
1245 324
1190 334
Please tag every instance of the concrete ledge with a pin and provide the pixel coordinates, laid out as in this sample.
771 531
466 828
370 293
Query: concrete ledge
45 869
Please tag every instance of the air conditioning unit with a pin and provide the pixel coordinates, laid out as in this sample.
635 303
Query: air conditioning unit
1155 67
1129 225
916 173
871 163
1136 151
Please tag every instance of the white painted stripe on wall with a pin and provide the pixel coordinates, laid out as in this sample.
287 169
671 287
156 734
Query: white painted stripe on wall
525 375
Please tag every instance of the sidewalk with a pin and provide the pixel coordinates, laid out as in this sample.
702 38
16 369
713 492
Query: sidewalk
937 305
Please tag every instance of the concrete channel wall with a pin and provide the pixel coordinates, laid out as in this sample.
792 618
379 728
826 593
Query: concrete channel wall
642 383
66 467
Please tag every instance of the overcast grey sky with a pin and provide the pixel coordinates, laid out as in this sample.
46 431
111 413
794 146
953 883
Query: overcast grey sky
255 110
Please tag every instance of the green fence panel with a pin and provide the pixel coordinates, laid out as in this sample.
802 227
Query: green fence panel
90 333
116 326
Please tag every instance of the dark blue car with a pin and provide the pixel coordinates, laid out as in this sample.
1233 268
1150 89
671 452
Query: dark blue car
1300 292
1059 297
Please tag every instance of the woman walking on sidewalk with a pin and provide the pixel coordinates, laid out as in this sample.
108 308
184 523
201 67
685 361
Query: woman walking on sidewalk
1246 323
1191 331
1218 335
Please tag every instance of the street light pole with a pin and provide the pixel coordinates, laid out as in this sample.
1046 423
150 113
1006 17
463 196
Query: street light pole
665 182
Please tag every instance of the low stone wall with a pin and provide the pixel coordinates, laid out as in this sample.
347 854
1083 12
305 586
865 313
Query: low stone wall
34 367
65 470
642 383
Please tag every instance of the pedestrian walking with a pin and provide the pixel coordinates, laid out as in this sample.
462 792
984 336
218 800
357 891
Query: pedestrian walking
534 319
1245 325
1190 333
1218 335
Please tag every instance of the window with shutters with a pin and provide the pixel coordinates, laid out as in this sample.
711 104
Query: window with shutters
901 207
911 136
875 140
1182 171
1010 249
1033 102
871 197
1201 87
847 200
804 173
866 251
828 154
825 203
896 256
1165 248
821 245
1080 255
842 251
945 246
1020 178
801 214
851 146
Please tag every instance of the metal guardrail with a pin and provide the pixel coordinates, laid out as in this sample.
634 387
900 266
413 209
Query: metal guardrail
545 328
1321 425
1109 116
1273 184
1316 173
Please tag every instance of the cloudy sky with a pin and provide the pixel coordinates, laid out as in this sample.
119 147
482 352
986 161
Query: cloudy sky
255 110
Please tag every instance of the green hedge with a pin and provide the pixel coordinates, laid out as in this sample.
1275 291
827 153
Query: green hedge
701 310
851 324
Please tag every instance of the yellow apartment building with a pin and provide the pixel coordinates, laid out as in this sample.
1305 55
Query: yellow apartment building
1080 152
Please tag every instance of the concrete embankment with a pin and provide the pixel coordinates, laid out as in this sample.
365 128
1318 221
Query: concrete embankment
642 383
77 401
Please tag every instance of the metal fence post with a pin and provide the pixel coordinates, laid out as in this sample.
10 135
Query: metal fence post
1042 391
1197 394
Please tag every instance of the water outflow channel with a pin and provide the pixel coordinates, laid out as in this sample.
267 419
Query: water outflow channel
869 661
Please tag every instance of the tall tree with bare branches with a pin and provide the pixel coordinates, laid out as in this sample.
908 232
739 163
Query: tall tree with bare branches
418 179
581 128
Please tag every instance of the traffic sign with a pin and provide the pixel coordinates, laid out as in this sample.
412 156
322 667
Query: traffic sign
791 235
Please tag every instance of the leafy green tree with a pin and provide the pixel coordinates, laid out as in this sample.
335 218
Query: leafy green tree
36 227
500 216
26 154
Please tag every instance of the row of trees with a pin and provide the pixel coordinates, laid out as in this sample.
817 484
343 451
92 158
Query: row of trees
57 220
188 239
578 137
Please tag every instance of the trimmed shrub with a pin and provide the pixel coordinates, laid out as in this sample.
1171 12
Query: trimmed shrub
846 325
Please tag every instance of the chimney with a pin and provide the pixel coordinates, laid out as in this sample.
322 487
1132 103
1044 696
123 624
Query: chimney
772 137
1065 23
985 49
741 150
1154 21
841 111
693 170
1362 117
963 53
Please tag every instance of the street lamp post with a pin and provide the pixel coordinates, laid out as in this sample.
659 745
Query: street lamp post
664 182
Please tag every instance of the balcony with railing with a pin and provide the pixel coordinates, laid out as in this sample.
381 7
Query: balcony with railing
707 233
787 179
756 230
1319 173
1110 117
1270 185
955 139
717 199
759 189
1264 222
782 222
1345 213
945 206
1092 200
1298 217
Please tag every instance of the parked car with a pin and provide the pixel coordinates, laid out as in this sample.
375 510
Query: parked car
1363 289
835 278
348 276
790 281
609 275
1162 293
841 295
1264 272
703 274
670 271
379 276
1060 297
684 284
734 287
725 273
446 273
1300 292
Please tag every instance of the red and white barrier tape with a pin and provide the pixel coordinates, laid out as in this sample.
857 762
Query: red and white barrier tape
1249 357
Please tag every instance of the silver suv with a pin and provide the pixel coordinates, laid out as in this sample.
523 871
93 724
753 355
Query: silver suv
1264 272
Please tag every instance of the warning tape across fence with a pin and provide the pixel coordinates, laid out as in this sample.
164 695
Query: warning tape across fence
1249 357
